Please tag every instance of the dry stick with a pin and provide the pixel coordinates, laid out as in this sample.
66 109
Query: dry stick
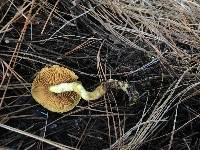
158 112
13 19
49 17
82 45
68 22
173 130
58 145
17 76
83 135
100 72
99 67
4 16
16 51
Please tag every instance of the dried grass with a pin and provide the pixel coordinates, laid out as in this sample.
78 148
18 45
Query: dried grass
154 45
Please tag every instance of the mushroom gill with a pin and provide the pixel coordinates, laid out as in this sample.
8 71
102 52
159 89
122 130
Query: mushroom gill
55 102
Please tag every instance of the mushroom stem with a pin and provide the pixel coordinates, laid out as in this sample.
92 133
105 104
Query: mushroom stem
78 88
96 94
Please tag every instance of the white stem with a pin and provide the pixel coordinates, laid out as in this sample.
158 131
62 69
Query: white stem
96 94
78 88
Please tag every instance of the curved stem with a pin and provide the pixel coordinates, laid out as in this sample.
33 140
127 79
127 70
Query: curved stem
78 88
96 94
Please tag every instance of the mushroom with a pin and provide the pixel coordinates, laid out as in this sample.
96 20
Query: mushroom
57 89
54 75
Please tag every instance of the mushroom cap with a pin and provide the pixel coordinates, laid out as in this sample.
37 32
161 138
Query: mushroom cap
54 102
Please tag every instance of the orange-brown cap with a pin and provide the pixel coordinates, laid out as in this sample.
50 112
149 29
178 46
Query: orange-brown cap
54 102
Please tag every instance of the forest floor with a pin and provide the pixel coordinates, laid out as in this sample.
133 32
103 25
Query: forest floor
153 45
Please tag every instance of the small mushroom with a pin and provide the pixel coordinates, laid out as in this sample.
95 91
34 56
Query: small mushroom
54 75
57 89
